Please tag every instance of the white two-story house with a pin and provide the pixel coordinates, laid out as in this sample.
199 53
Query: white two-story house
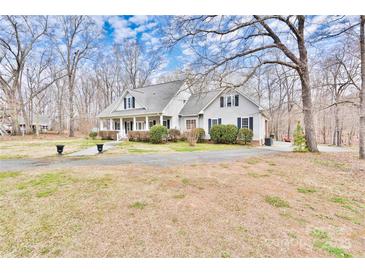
171 104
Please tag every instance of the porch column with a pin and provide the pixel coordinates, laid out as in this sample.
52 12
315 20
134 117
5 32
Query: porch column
134 123
121 126
111 124
101 124
147 124
161 120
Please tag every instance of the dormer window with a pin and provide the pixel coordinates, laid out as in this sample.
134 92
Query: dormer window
229 101
129 102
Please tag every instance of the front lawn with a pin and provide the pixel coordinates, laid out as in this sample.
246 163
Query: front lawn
282 205
144 147
18 147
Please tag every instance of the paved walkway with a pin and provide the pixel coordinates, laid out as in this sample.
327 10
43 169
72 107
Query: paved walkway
93 150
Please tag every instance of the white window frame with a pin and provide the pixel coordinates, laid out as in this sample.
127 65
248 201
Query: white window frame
248 122
140 125
115 122
190 120
129 102
215 119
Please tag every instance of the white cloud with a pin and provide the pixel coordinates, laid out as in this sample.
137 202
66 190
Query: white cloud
145 27
121 29
138 19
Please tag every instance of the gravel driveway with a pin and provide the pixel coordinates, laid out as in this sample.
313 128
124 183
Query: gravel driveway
159 159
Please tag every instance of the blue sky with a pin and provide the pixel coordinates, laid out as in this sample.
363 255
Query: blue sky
144 29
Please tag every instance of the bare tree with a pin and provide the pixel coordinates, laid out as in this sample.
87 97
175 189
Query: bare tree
138 64
362 92
339 73
76 42
18 36
243 33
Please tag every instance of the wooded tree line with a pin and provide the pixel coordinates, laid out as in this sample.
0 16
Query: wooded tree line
57 66
307 68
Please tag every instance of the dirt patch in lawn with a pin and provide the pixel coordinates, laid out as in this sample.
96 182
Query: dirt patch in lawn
289 205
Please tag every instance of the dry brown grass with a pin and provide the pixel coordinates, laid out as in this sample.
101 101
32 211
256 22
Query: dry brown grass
188 211
30 146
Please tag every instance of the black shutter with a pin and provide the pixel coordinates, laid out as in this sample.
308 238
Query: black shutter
125 127
132 126
239 123
209 124
251 123
125 103
168 124
222 101
219 121
133 102
236 100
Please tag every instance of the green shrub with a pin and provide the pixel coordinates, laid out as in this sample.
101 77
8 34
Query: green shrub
245 135
224 134
93 135
174 134
200 134
300 144
158 134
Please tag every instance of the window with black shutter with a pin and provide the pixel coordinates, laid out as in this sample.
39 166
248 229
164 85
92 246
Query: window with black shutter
222 101
251 123
236 100
239 122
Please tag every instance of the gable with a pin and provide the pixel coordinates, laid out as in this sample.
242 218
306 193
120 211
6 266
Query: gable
197 102
137 102
245 105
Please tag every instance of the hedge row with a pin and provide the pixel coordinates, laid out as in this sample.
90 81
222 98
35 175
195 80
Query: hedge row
229 134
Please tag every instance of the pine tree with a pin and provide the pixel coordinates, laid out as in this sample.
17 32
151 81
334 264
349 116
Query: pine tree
300 144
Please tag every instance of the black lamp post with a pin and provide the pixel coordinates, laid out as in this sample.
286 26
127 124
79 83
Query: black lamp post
60 149
100 147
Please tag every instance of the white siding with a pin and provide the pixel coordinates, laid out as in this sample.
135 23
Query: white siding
183 122
175 106
229 115
121 105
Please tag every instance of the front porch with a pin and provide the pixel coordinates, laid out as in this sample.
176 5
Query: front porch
122 125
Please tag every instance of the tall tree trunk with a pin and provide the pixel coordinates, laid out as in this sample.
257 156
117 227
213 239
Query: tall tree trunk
310 133
337 138
362 92
71 107
14 114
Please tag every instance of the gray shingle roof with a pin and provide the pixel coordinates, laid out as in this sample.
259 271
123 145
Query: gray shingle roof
197 102
153 98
